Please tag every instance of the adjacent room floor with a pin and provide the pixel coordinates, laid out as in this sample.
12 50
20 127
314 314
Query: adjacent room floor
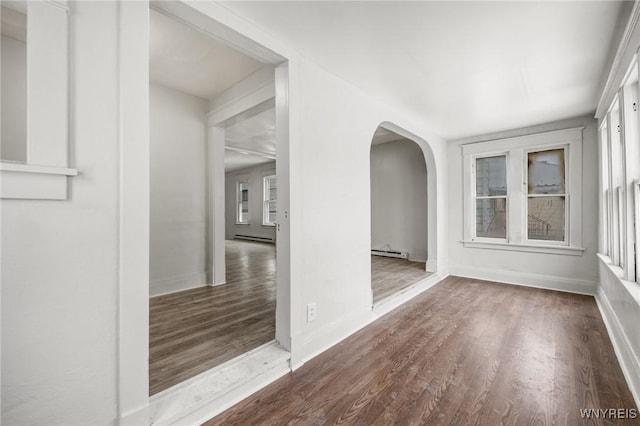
195 330
390 275
463 352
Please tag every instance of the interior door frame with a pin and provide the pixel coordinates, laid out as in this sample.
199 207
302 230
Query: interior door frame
133 262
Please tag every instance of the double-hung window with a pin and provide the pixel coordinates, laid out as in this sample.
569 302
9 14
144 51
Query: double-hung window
270 197
524 193
242 210
546 195
491 197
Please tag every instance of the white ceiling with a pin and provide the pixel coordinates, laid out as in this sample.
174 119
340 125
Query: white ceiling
466 68
251 141
187 60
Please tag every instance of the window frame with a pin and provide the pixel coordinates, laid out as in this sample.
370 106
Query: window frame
475 158
266 200
566 195
517 149
46 172
239 202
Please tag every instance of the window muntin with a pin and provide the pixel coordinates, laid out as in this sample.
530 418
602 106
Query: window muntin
491 197
270 197
243 202
546 195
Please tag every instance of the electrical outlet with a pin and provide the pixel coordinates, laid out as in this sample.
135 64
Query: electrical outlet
311 312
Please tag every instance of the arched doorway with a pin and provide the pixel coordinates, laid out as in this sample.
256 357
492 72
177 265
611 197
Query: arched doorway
400 213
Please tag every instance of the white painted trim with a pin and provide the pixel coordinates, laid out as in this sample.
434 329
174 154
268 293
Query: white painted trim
549 282
555 249
257 89
624 56
31 168
172 285
629 362
133 213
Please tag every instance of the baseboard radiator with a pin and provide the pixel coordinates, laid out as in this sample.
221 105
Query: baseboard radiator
390 253
252 238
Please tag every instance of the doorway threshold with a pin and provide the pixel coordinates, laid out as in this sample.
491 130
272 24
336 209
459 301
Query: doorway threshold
204 396
387 304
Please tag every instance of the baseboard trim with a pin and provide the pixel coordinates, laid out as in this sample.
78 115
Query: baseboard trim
548 282
628 361
175 284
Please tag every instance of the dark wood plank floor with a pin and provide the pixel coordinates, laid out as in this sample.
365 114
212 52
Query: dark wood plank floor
390 275
464 352
195 330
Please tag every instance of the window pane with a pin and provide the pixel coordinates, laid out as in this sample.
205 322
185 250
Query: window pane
491 176
546 218
491 218
546 172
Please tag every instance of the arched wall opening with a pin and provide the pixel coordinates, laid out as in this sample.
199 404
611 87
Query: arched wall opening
403 213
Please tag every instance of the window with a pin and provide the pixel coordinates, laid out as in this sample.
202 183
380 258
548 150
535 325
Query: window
270 196
524 193
491 197
243 202
34 163
546 195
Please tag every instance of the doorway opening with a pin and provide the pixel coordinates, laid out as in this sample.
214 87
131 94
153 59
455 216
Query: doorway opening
399 214
214 205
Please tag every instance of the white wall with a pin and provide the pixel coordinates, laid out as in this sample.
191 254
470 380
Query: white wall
399 198
331 225
562 272
60 258
177 247
254 176
14 99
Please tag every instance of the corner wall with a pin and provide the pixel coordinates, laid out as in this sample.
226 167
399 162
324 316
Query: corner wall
559 272
178 136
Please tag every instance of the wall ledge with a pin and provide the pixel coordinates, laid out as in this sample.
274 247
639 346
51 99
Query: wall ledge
628 360
33 182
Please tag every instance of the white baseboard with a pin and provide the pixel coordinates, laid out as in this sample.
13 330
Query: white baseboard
549 282
175 284
627 359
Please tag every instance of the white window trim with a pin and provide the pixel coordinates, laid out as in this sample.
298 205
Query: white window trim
475 196
265 201
516 149
238 222
44 176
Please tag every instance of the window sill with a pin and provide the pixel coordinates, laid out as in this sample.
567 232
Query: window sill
631 286
562 250
242 224
269 225
30 182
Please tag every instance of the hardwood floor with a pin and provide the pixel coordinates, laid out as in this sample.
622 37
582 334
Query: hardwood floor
463 352
390 275
195 330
